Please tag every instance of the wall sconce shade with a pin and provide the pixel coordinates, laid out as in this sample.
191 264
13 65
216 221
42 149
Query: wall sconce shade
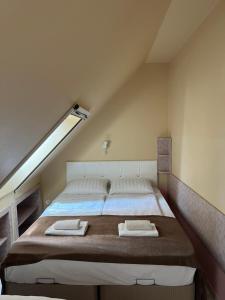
105 146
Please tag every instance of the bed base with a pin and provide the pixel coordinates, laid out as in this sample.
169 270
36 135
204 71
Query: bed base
68 292
153 292
81 292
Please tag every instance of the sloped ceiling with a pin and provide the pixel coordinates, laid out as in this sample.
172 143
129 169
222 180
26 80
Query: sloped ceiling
53 52
182 19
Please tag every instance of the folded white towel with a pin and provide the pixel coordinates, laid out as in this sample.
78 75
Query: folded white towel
124 232
138 225
67 224
81 231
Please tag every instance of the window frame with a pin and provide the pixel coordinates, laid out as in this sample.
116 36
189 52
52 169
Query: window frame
76 111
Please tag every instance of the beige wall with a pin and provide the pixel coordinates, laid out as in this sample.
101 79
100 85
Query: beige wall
132 120
55 52
8 199
197 110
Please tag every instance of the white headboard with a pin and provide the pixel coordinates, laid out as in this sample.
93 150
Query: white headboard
112 169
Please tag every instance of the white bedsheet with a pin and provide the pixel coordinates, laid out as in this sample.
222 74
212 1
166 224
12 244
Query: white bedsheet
75 205
95 273
131 205
150 204
95 205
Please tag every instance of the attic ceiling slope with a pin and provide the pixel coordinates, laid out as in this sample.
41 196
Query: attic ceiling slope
182 19
53 52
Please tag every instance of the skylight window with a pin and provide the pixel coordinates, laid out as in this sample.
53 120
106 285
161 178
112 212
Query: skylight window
38 156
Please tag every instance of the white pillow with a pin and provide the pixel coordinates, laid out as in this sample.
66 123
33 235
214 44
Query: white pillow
87 186
131 186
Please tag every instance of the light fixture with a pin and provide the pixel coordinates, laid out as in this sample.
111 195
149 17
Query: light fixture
105 146
79 111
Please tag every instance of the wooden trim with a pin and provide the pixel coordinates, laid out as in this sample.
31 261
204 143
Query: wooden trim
210 269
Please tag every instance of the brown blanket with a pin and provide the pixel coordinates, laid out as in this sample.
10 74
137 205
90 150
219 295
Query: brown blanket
102 243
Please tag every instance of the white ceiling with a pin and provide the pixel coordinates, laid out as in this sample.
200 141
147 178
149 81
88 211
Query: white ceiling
182 19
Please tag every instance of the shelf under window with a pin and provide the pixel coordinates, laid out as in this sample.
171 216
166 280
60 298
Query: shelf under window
24 213
28 209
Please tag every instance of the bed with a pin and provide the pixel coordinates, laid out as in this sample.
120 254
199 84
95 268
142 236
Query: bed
102 265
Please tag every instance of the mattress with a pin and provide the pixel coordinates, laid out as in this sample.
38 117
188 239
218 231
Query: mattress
96 273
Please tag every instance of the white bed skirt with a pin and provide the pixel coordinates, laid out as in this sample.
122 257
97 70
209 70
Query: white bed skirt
95 273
